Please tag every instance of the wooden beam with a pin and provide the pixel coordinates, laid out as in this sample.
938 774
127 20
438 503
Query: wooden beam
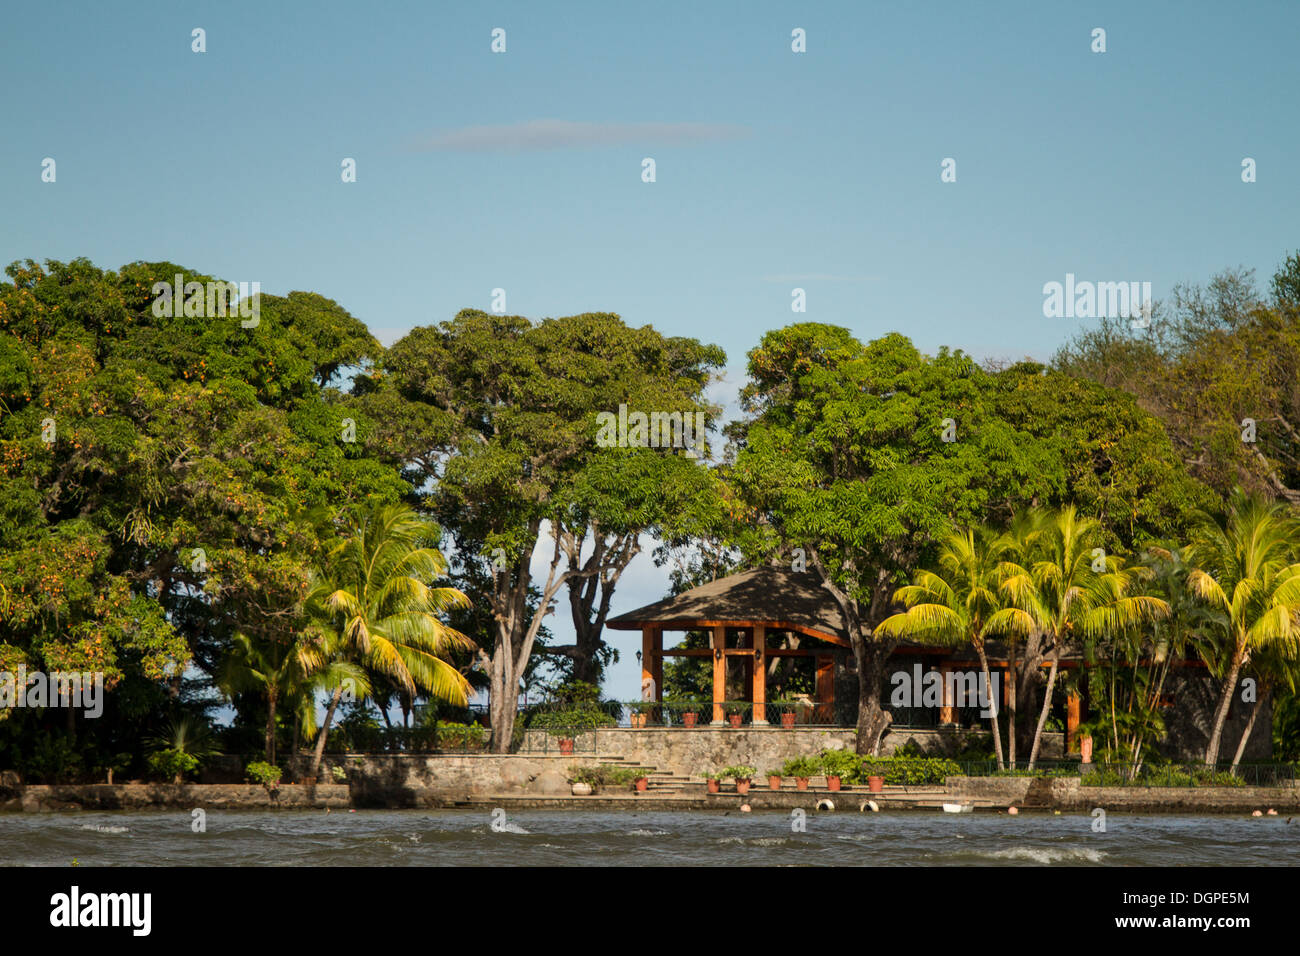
719 674
1072 722
760 676
825 688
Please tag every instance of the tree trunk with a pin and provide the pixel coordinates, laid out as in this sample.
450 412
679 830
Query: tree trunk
872 718
1047 707
1013 674
1221 715
993 705
1265 692
270 728
324 730
501 702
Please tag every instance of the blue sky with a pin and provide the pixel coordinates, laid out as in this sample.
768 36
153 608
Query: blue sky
775 170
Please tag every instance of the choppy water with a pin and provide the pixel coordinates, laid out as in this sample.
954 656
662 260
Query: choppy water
541 838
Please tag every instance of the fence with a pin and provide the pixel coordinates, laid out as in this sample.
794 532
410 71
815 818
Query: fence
1106 774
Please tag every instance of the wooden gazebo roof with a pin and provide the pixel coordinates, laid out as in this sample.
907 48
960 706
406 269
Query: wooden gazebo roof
774 597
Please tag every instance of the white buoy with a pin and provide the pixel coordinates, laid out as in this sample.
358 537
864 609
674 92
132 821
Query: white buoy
1257 813
1272 812
744 808
825 804
1012 811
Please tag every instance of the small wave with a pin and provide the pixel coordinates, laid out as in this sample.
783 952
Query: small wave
1045 854
509 827
754 841
647 832
101 828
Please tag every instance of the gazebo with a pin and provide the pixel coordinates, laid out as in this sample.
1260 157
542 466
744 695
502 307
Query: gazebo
739 612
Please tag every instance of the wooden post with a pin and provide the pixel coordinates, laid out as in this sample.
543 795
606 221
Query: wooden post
825 688
719 674
760 676
947 712
1072 723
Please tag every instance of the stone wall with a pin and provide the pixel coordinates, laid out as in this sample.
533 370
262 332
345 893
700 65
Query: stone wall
1066 793
103 796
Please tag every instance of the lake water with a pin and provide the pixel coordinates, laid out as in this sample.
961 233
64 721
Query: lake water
567 838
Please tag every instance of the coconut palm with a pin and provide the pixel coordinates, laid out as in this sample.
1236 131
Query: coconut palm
1245 569
1277 667
959 603
1068 600
374 593
275 669
1016 545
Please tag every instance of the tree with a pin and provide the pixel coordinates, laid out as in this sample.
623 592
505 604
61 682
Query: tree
1069 600
375 594
1245 568
959 602
498 418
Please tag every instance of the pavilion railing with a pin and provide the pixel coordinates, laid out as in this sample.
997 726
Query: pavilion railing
675 713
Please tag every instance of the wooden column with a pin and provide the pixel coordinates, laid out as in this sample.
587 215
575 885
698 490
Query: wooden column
1072 723
825 688
760 676
947 712
719 674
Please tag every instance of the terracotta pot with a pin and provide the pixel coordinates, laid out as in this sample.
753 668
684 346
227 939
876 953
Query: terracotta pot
734 719
833 783
1085 749
713 786
642 783
801 783
742 786
566 746
689 718
876 784
638 720
787 719
773 782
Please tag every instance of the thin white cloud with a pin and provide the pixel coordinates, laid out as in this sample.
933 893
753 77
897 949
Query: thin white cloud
568 134
819 277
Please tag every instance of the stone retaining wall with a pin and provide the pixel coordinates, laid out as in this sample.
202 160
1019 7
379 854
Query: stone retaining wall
103 796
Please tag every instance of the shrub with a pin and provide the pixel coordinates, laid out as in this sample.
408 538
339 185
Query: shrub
606 775
172 765
569 723
801 767
259 771
911 771
841 763
462 736
339 774
739 772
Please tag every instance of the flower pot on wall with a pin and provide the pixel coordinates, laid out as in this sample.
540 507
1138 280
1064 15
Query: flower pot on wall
581 789
713 786
773 782
742 786
734 719
876 784
689 718
787 719
801 783
833 782
642 783
566 746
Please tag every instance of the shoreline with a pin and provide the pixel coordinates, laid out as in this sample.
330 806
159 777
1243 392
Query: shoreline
981 794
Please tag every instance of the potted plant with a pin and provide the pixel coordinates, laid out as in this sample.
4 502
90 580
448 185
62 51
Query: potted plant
801 768
742 774
641 782
774 779
690 717
712 779
785 707
565 725
840 766
735 711
875 773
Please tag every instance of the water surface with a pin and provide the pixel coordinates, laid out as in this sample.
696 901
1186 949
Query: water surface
684 838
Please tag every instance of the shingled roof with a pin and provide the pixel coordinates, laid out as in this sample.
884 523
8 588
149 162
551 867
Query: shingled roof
773 596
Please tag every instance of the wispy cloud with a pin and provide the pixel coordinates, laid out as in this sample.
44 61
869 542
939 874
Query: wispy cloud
568 134
819 277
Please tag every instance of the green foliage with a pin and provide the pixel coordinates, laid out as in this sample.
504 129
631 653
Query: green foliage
801 767
172 765
739 772
259 771
569 723
605 775
911 771
844 764
339 774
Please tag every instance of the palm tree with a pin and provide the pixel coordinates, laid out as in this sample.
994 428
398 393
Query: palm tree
1068 600
1245 569
959 603
1016 546
1277 666
275 669
374 593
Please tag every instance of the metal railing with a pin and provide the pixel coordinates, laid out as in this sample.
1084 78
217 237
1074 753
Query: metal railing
1120 774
